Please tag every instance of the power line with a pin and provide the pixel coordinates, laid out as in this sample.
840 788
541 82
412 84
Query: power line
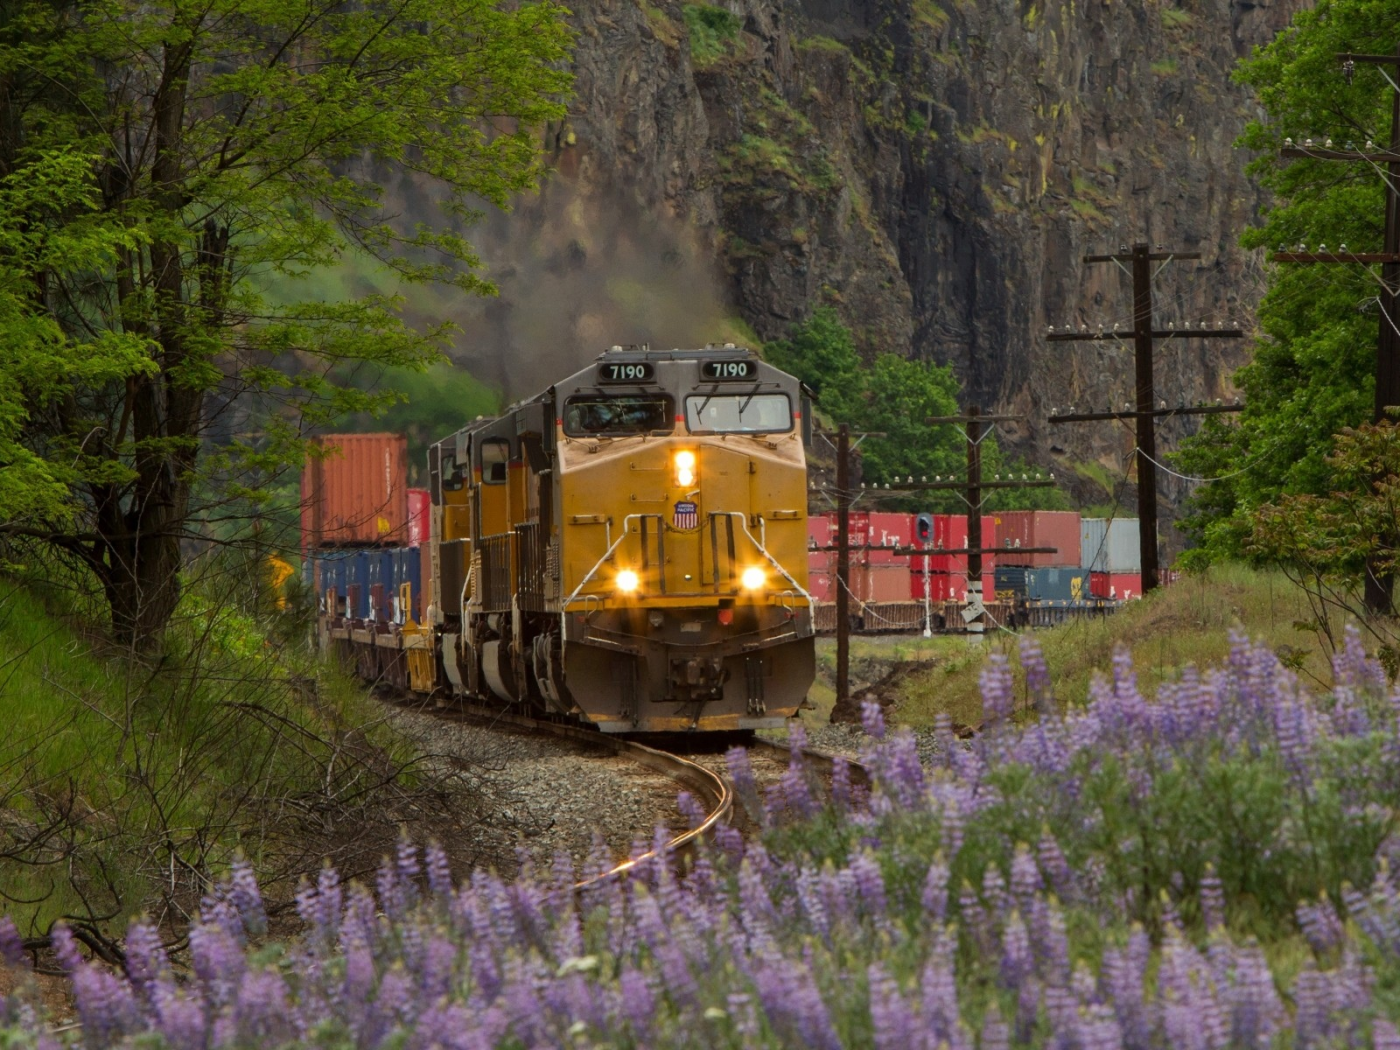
1144 336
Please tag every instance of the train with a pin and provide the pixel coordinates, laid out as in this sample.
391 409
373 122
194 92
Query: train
627 549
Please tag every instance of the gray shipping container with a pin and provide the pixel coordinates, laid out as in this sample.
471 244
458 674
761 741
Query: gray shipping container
1110 545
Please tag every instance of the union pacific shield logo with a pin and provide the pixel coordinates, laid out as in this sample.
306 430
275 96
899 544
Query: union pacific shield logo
687 517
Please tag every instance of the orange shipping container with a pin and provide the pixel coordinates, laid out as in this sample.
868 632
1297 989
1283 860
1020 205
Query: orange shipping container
357 493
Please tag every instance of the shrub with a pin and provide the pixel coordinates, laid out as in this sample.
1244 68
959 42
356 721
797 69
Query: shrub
1128 875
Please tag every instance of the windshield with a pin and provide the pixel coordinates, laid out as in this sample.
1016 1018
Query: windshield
738 413
617 415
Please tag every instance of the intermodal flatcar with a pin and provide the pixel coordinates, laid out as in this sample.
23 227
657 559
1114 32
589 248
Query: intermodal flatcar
628 548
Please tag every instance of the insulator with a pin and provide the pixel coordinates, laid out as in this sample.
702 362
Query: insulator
923 478
1288 143
1050 328
1348 69
1302 246
1052 476
1342 249
1307 143
1122 247
1161 404
1115 326
1204 326
1024 478
1083 327
1171 325
1328 143
1370 144
996 477
862 484
1322 247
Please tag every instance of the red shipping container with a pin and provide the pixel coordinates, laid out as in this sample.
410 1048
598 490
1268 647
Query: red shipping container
890 530
1119 586
418 502
820 585
878 583
356 494
1039 528
820 529
950 531
942 586
820 561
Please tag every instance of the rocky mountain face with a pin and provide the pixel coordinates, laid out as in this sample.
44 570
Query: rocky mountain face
935 172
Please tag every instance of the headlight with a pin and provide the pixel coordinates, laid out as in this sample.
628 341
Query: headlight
627 581
685 468
753 578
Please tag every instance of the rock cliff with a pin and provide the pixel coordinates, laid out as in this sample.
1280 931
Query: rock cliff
935 172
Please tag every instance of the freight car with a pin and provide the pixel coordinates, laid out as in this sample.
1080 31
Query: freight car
628 549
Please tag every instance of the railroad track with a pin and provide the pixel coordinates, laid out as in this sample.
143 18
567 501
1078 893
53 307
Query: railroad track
693 762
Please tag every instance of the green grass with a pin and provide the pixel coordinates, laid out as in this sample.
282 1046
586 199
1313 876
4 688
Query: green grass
713 31
122 785
1188 623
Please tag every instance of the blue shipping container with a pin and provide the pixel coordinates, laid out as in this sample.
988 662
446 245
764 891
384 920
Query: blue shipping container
1049 583
358 581
411 573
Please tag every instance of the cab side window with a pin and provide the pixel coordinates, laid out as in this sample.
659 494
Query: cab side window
495 460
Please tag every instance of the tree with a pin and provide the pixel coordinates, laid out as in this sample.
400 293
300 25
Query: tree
239 145
1313 370
894 397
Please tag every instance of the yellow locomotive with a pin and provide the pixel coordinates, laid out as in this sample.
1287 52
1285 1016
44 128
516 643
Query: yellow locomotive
628 548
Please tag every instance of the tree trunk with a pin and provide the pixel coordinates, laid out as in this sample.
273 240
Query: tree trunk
140 571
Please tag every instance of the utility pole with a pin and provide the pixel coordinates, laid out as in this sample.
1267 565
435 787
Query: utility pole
1379 581
1143 337
971 490
974 422
843 568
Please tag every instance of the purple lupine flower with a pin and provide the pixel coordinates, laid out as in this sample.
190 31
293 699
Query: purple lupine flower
245 897
691 808
894 1024
951 825
106 1005
841 784
1017 961
1037 672
145 956
12 945
1256 1011
1320 925
65 947
872 717
1056 868
870 884
262 1008
996 1034
180 1018
1384 1035
745 783
994 891
938 987
1025 876
1097 1029
439 871
935 895
793 1002
797 739
1212 899
998 690
638 1004
218 961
